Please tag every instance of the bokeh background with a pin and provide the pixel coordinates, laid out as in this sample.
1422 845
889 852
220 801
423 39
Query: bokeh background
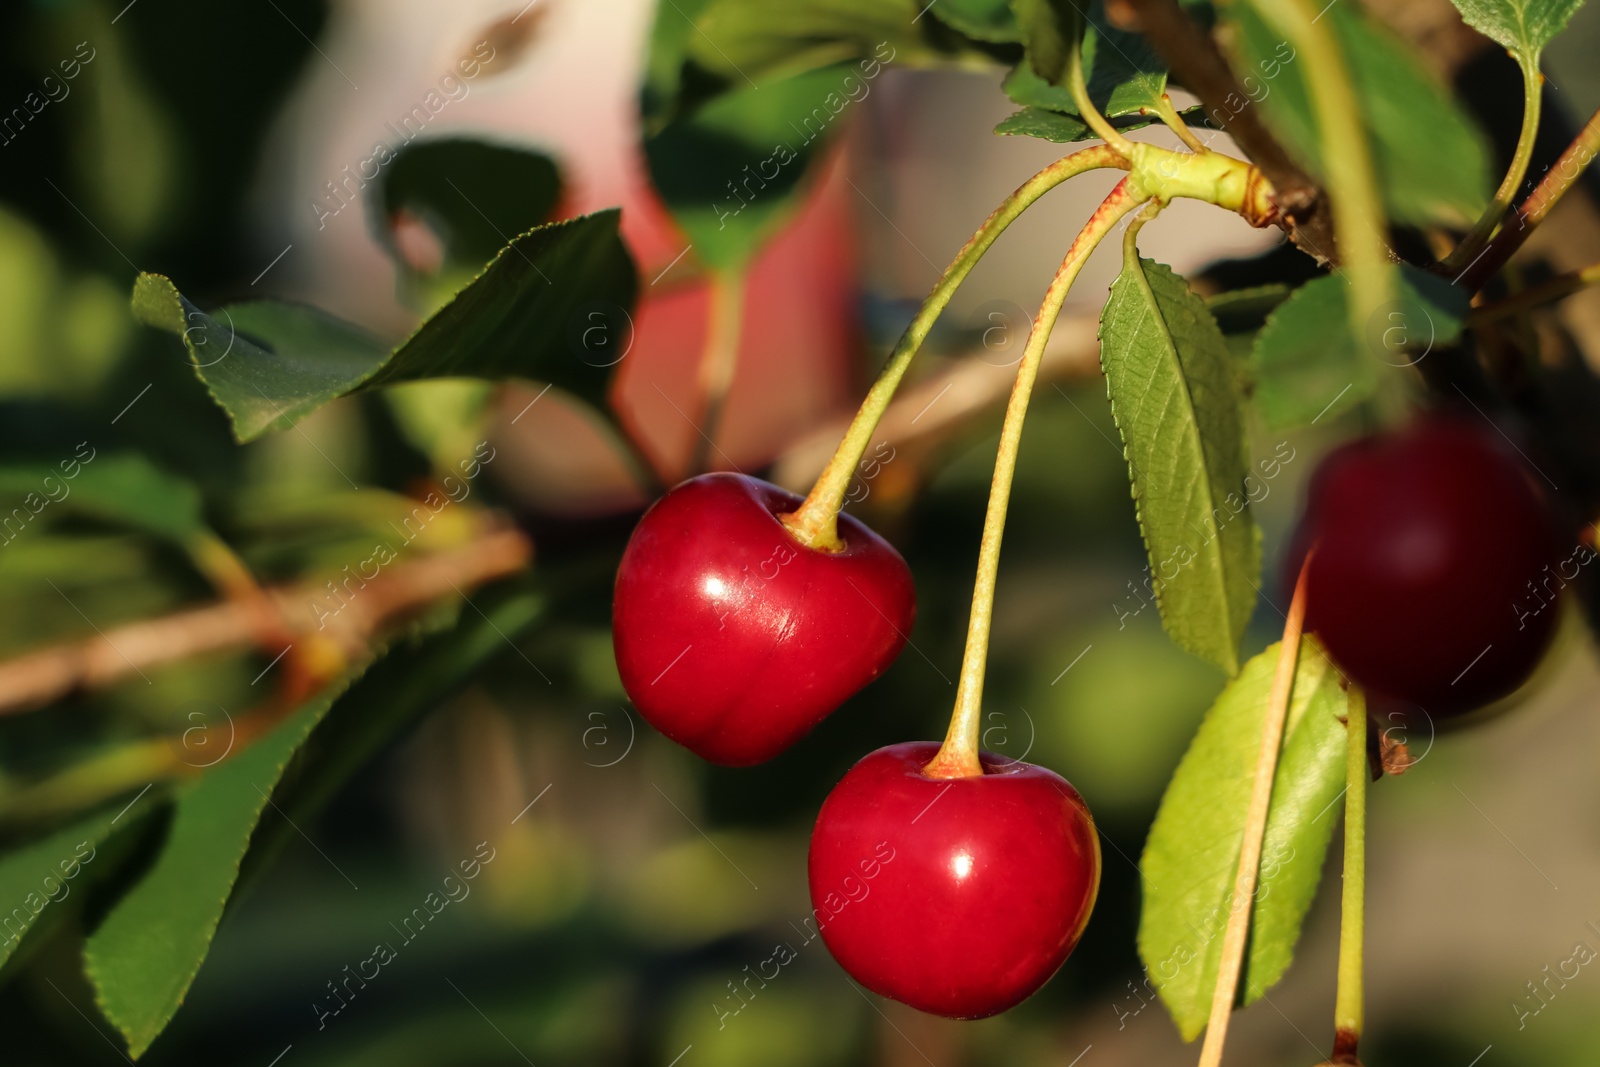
641 882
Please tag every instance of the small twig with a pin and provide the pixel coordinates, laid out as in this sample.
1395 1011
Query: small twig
1255 829
1194 57
1557 180
1534 296
43 677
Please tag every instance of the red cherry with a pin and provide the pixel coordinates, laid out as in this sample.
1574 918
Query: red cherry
734 639
957 896
1431 581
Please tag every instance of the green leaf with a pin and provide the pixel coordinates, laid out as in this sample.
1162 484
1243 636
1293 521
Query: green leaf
37 878
474 194
119 487
528 315
1432 162
730 171
1308 364
982 20
1067 129
1177 406
1123 74
400 688
1192 855
1524 27
145 954
748 43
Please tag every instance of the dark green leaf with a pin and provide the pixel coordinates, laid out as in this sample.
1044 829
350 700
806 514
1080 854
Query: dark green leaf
146 952
474 194
1177 406
1049 30
1308 363
729 172
748 43
982 20
1067 129
1432 162
1239 310
530 314
1124 75
40 875
1524 27
1192 855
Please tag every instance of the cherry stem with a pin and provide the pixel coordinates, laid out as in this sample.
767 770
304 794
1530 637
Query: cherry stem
718 360
1175 123
1505 196
815 522
958 756
1255 828
1086 109
1347 1009
1557 180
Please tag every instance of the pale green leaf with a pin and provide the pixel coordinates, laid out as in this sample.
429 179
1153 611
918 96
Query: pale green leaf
1432 161
1176 403
1308 363
1123 74
120 487
1522 26
1192 855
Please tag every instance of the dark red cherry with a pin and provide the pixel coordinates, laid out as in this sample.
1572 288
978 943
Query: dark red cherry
1432 578
957 896
734 639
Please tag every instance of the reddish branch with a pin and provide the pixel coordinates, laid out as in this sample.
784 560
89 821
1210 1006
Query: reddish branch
1199 64
368 607
1557 180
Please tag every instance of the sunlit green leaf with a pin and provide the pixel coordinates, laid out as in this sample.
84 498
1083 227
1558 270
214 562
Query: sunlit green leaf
1522 26
1192 855
1176 403
1123 74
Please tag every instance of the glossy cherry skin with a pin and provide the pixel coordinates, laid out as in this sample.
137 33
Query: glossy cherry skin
957 896
1430 545
731 637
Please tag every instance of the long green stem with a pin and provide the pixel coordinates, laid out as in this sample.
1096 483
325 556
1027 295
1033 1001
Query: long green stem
815 522
958 756
1255 829
1175 123
719 359
1352 911
1505 196
1358 220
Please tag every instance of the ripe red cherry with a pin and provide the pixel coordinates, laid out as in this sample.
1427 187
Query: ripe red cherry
957 896
734 639
1431 579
